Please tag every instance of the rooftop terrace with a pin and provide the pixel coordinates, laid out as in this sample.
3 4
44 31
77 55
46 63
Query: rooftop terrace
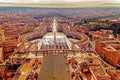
54 68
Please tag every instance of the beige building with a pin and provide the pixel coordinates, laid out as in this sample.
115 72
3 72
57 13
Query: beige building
1 54
1 39
102 34
1 35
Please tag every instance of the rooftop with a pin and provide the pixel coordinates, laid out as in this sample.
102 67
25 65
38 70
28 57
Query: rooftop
54 68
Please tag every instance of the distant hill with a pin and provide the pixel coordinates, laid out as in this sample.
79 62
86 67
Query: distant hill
87 13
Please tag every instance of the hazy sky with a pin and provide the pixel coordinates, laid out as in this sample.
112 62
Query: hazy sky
57 1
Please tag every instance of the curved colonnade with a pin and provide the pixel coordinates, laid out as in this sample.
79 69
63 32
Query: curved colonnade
39 33
82 38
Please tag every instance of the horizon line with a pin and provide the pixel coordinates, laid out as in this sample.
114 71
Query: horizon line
61 5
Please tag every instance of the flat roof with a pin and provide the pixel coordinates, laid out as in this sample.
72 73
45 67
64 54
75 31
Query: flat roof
1 49
54 68
3 68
